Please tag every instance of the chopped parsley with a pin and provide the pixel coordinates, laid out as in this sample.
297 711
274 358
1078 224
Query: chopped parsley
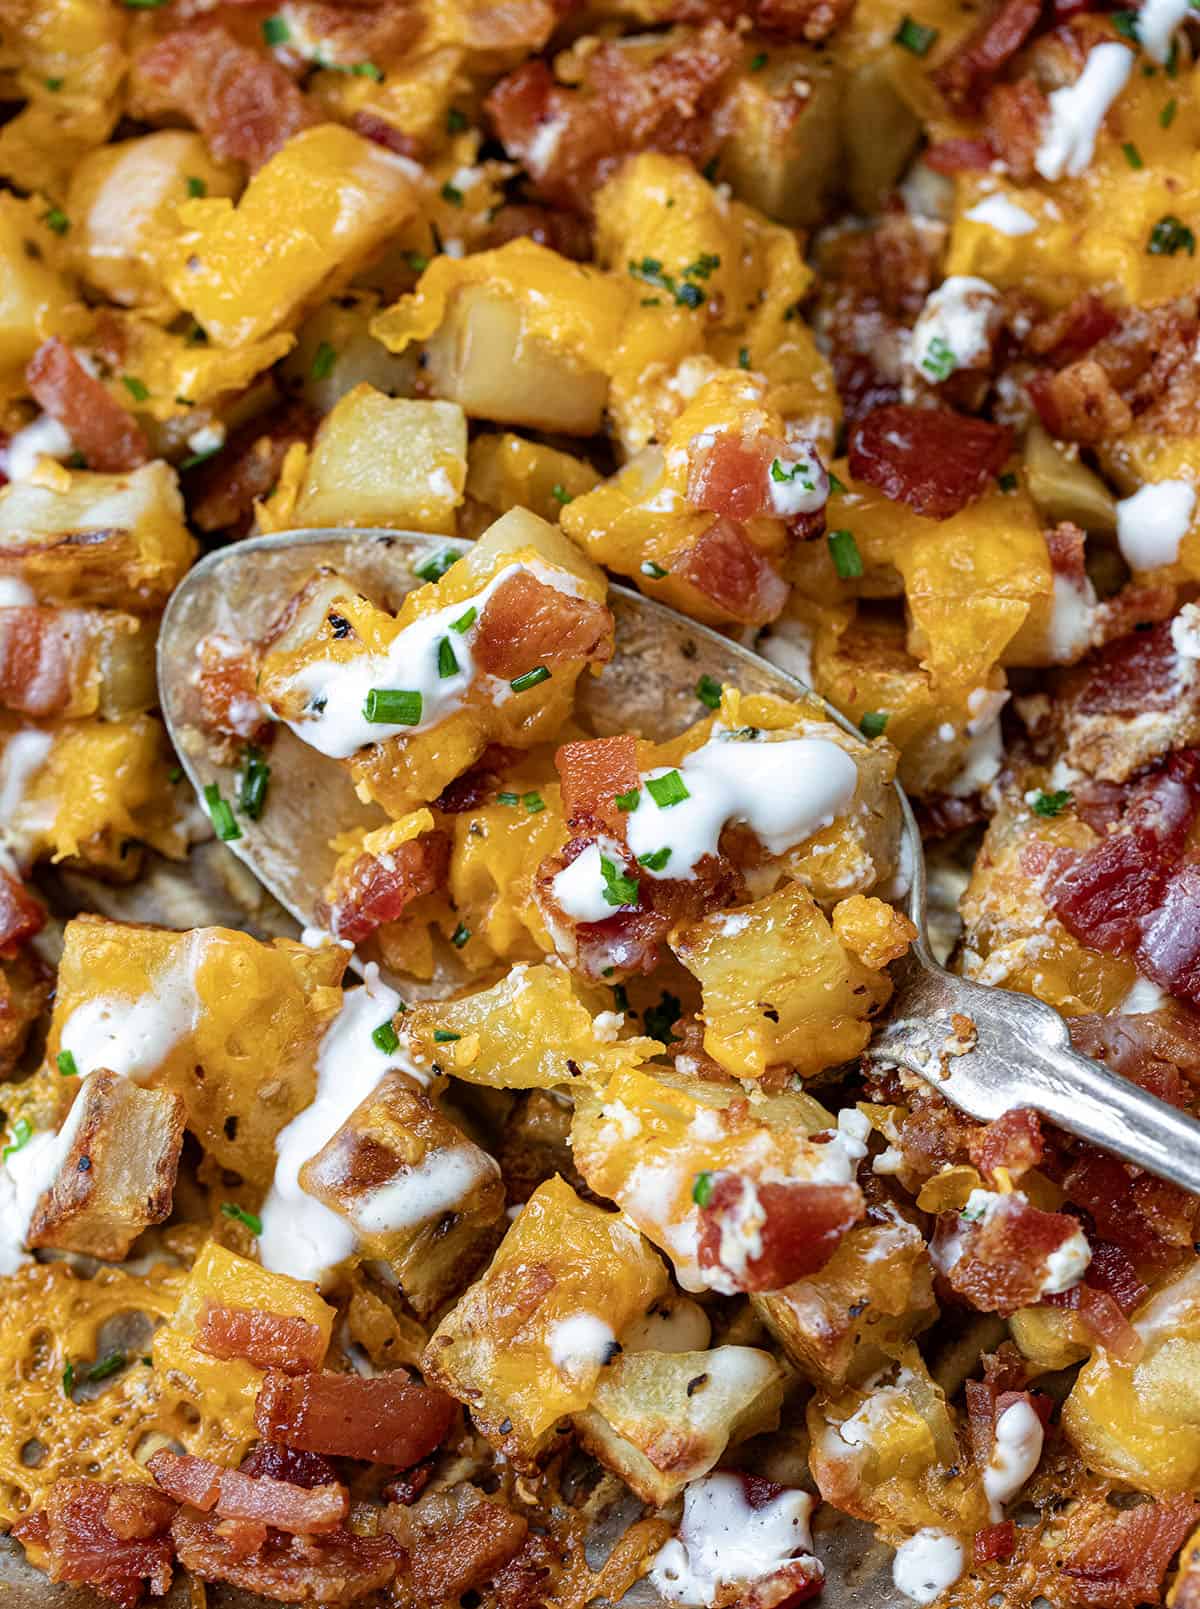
1052 804
447 663
276 31
915 36
531 678
196 187
685 292
560 494
135 387
239 1214
220 813
843 550
452 194
417 261
393 706
708 691
434 565
873 723
1170 235
702 1189
323 362
1133 156
668 790
655 860
619 889
385 1037
255 779
66 1064
22 1134
54 84
460 935
628 801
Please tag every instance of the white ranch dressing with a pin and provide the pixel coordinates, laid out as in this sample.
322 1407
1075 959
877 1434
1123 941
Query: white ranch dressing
1153 522
44 438
1157 21
1066 1264
723 1539
25 1175
1077 111
927 1564
953 328
134 1037
22 758
1004 216
1015 1454
797 482
581 1344
580 889
1072 617
15 593
438 1184
338 727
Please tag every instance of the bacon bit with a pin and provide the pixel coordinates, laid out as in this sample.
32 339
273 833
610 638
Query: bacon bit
1111 1272
104 433
731 476
243 1537
81 1547
1137 673
377 890
380 132
969 70
810 20
136 1513
939 815
387 1419
21 916
1080 403
333 1569
1012 1142
1066 335
593 774
563 232
227 679
222 494
406 1488
525 1581
39 659
476 786
525 623
241 100
1150 1220
1160 1050
727 569
1013 117
268 1340
995 1542
1003 1259
460 1541
1103 1317
934 460
1168 950
1125 1552
803 1225
303 1511
960 156
625 945
273 1459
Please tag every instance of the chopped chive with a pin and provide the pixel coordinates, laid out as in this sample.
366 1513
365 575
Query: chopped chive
758 62
143 5
1167 116
1125 22
256 777
843 550
938 362
560 494
22 1134
276 31
443 1036
654 571
175 774
1007 482
393 706
708 691
68 1374
251 1219
1133 156
667 791
452 194
465 622
66 1064
456 121
417 261
434 565
196 187
193 459
508 798
743 357
689 295
531 678
323 362
628 801
660 1019
103 1367
135 387
836 488
915 36
57 220
702 1189
655 860
367 69
619 889
460 935
54 84
385 1037
1169 235
873 723
446 662
221 814
1052 804
710 169
533 802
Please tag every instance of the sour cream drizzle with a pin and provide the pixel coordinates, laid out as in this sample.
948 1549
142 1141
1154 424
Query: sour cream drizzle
724 1539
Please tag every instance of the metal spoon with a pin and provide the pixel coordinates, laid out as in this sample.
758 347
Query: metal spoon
987 1050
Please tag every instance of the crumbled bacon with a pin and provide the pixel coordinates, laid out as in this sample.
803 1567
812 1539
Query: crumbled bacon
1102 1316
995 1542
960 156
1013 118
379 887
227 680
730 474
1013 1142
268 1340
222 494
808 20
21 916
727 569
106 435
1112 1272
526 623
382 132
387 1419
1001 1261
459 1540
564 232
1122 1554
259 1499
1160 1050
136 1513
476 786
39 659
525 1581
282 1463
81 1547
971 67
802 1225
593 774
627 944
333 1569
1168 950
1080 403
240 99
1068 333
1152 1221
934 460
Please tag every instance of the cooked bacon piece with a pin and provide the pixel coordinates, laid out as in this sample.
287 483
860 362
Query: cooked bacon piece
1160 1050
282 1463
303 1511
1002 1261
222 494
459 1539
727 569
227 678
103 432
351 31
525 1582
960 156
80 1546
380 132
592 774
1124 1553
387 1419
21 916
563 232
1068 334
1013 118
39 659
378 888
1112 1273
406 1488
240 99
969 70
730 475
476 786
1152 1221
268 1340
1168 950
995 1542
627 944
525 624
333 1569
798 1224
1080 403
1013 1142
810 20
934 460
136 1513
1102 1315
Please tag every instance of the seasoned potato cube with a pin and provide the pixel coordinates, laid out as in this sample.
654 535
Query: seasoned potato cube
879 132
532 1030
245 270
220 1278
335 351
506 471
526 1344
381 460
230 1024
114 540
783 151
662 1419
87 661
123 205
33 296
779 986
420 1195
118 1151
842 1323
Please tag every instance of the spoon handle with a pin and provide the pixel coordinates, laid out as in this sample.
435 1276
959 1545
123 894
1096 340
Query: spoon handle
989 1050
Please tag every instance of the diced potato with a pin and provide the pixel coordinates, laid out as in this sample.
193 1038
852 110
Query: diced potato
844 1322
1064 488
879 131
380 460
420 1195
119 1149
108 662
34 297
526 1344
1050 1337
245 271
158 1005
229 1386
113 540
662 1419
532 1030
122 203
778 986
494 860
335 351
783 152
506 471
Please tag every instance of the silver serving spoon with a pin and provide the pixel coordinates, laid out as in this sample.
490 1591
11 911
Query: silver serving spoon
987 1050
